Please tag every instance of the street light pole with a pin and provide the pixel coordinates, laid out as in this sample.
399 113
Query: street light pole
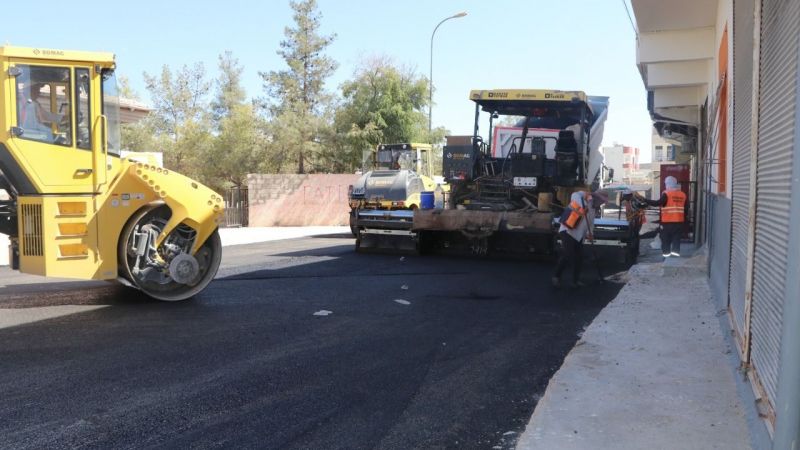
430 78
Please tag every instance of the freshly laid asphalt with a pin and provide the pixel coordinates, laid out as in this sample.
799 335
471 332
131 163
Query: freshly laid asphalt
411 352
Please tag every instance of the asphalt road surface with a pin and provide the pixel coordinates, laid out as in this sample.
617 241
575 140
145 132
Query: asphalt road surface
298 344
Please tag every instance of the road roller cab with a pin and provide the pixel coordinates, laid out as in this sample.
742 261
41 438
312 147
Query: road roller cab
76 208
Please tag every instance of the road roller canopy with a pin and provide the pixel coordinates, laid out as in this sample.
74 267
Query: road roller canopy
544 108
408 156
535 103
104 59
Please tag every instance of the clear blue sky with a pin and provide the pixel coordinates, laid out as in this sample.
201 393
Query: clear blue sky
586 45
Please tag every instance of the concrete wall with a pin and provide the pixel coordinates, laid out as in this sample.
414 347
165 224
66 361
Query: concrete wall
690 73
298 200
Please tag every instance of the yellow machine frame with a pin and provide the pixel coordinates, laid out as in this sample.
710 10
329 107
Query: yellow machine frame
546 95
74 203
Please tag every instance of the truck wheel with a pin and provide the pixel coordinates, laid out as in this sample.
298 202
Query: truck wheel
353 226
163 275
424 243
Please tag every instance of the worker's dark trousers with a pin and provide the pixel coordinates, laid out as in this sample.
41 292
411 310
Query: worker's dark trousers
671 238
571 254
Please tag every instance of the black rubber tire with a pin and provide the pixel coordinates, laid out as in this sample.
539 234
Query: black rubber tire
353 226
172 291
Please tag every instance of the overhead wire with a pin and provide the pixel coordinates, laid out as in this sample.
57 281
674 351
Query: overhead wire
625 5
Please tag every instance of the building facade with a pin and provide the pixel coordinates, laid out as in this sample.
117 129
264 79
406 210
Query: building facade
722 80
663 149
623 159
663 152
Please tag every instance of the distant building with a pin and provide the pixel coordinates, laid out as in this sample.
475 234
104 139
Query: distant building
664 149
623 160
131 110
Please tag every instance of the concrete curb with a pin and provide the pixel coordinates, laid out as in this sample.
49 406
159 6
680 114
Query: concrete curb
252 235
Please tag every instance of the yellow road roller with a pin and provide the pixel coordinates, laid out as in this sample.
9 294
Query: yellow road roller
74 207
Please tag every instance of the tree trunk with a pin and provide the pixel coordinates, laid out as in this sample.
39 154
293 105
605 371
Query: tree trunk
300 165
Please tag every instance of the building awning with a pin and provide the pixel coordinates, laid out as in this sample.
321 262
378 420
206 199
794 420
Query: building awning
668 128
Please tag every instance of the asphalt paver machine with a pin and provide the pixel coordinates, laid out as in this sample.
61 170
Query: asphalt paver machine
507 188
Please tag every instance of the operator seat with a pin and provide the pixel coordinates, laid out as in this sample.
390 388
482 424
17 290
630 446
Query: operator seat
566 142
566 159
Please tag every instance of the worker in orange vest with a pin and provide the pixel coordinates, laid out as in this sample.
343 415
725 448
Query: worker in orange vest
674 210
576 225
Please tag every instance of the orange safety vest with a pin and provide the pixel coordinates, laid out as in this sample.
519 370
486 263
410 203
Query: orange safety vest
576 212
673 211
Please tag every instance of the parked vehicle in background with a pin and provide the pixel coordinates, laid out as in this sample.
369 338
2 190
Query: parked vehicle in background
383 200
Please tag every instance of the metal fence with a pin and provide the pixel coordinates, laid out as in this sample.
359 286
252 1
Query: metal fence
236 208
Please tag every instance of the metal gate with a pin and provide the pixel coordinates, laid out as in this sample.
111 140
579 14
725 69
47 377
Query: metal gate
740 179
236 207
780 28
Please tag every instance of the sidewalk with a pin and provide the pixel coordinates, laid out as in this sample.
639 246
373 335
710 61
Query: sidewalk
652 371
251 235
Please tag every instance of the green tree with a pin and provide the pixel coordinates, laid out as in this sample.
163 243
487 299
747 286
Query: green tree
237 149
382 103
296 96
180 121
385 102
229 90
125 89
239 145
137 136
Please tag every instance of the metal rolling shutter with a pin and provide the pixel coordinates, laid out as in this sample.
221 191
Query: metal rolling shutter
740 179
780 29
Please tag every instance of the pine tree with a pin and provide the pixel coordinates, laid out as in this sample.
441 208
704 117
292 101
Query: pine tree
296 96
229 90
